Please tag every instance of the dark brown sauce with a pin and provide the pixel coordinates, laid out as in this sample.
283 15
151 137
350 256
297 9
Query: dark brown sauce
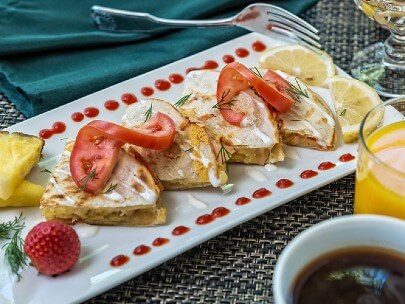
355 275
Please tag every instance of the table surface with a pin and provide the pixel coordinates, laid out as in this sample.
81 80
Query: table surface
237 266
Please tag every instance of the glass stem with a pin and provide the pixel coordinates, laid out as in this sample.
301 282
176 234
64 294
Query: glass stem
395 49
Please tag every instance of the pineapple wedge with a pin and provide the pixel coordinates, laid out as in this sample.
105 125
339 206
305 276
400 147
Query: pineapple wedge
18 154
27 194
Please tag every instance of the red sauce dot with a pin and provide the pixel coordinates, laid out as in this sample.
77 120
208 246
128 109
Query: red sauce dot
258 46
128 98
91 112
346 157
160 241
77 116
228 58
260 193
58 127
220 212
326 165
162 84
308 174
141 249
284 183
111 105
119 260
176 78
45 133
209 64
204 219
147 91
179 230
242 201
242 52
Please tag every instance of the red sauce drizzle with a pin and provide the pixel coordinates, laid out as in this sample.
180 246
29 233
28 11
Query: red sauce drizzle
147 91
176 78
220 212
228 58
128 98
242 201
260 193
111 105
284 183
346 157
141 250
209 64
258 46
204 219
45 133
308 174
162 85
77 116
119 260
179 230
242 52
160 241
58 127
326 165
91 112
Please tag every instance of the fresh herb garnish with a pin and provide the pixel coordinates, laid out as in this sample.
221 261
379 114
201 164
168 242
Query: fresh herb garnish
343 112
111 188
83 182
188 150
46 170
148 113
222 104
224 155
295 91
182 101
13 250
256 72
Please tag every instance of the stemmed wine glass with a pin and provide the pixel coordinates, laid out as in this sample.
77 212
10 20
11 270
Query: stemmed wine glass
382 65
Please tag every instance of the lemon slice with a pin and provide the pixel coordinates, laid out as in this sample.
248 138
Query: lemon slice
310 66
353 99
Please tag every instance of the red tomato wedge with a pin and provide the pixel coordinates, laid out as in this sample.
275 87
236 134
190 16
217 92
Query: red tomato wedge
97 147
234 78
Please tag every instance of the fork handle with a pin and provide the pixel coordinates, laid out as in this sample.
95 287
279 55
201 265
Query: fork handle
115 20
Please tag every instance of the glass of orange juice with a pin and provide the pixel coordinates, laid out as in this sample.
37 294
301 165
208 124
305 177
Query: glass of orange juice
380 176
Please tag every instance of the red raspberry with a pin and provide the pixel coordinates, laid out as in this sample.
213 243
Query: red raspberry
53 247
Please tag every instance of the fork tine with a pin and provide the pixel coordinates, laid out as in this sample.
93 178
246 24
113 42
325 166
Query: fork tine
290 32
286 14
295 26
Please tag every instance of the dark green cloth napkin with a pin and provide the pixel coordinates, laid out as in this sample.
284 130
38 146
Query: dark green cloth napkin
51 53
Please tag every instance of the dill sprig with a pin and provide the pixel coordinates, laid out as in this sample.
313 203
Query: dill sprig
343 112
188 150
256 72
111 188
11 226
148 113
295 91
223 156
14 253
89 177
222 104
182 101
46 171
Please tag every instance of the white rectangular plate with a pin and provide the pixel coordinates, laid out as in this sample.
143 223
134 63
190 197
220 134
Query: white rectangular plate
93 274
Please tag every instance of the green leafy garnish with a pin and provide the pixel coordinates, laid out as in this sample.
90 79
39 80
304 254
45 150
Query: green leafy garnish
222 104
182 101
89 177
46 170
256 72
295 91
343 112
148 113
223 156
7 228
111 188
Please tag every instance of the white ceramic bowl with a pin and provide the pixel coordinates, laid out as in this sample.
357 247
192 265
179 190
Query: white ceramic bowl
342 232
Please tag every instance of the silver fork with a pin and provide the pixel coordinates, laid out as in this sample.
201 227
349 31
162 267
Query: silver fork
257 17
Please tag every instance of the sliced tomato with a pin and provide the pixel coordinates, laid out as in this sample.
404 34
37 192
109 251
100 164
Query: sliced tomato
272 77
234 78
97 147
93 158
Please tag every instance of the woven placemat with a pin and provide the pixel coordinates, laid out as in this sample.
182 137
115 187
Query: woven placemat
237 266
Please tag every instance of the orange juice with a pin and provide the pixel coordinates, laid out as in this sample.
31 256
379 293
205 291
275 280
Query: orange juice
380 183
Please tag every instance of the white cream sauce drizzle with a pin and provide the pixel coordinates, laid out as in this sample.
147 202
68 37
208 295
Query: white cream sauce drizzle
114 196
264 137
270 167
86 230
214 180
255 174
291 153
196 202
